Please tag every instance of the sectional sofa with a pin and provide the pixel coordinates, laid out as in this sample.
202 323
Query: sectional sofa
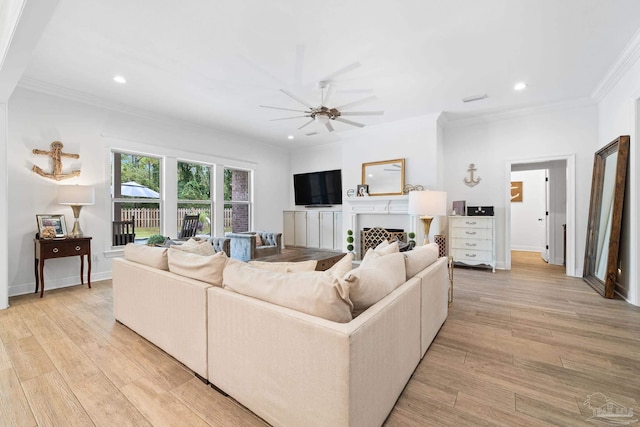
292 359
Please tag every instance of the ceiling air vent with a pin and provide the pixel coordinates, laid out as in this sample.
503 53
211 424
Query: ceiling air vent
475 98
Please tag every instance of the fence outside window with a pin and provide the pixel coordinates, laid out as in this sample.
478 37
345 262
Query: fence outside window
150 218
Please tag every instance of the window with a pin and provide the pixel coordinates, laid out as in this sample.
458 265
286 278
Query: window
136 193
194 195
237 200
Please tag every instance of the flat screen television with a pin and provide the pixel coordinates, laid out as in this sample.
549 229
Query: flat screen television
318 188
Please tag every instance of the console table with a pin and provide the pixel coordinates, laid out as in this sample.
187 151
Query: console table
59 248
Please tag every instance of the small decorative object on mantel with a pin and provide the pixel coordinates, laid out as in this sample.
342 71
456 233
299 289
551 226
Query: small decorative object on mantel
56 155
351 192
363 190
409 187
471 180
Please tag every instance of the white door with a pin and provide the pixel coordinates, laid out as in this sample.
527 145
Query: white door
545 218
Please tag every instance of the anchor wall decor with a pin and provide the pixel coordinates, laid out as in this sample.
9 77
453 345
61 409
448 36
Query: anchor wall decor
470 180
56 155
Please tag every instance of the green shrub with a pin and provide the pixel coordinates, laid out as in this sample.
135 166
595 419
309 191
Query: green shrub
156 239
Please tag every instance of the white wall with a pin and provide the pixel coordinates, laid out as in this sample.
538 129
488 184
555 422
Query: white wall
527 232
35 120
491 144
619 114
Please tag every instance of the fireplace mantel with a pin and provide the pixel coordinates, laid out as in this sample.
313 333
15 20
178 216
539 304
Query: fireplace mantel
378 205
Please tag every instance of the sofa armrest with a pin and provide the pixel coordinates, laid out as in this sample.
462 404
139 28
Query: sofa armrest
221 244
434 300
292 368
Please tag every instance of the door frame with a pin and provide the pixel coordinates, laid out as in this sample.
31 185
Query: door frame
570 159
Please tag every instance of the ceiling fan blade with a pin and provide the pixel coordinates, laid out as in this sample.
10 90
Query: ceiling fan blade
330 92
306 104
328 125
362 113
287 118
342 71
309 122
360 101
349 122
280 108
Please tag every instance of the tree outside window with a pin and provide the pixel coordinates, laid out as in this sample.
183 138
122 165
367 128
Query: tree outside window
136 192
194 194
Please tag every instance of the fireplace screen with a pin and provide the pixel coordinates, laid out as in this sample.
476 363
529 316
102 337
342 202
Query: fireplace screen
372 237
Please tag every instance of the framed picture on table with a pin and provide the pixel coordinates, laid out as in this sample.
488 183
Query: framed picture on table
57 222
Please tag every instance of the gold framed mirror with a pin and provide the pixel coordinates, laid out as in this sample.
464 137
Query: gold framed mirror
385 178
605 216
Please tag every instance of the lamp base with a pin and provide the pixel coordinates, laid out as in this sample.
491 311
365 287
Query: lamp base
77 231
426 220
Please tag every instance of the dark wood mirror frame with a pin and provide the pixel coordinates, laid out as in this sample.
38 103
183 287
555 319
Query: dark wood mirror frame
605 216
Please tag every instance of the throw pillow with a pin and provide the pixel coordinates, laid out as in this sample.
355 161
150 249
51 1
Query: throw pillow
420 258
370 283
204 268
342 267
285 267
196 247
153 256
259 241
379 251
312 292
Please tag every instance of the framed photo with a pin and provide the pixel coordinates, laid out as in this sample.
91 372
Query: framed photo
56 221
363 190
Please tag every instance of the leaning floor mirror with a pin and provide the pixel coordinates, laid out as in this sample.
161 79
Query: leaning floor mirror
605 216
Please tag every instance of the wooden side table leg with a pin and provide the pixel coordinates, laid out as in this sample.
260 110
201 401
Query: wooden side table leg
89 269
35 268
41 278
82 269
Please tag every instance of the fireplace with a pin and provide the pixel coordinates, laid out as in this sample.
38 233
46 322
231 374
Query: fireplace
371 237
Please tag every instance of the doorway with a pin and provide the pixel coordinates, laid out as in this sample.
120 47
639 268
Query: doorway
551 218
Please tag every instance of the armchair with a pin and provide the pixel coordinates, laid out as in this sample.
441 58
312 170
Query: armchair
244 246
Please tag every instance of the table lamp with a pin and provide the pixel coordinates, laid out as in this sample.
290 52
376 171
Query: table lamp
427 204
76 196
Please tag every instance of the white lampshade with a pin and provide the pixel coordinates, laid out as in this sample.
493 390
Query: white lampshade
76 195
432 203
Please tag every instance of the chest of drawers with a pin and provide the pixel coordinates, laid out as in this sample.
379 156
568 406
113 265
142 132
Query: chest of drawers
473 240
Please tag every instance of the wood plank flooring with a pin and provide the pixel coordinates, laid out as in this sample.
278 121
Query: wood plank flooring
525 347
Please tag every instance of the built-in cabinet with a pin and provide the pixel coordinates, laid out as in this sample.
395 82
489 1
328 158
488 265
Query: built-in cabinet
473 240
313 229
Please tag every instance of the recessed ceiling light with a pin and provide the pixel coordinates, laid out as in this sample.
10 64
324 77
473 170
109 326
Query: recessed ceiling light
119 79
520 86
290 137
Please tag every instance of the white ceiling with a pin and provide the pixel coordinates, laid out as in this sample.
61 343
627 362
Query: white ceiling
214 62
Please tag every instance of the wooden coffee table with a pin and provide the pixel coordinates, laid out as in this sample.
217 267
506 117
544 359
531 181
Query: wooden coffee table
324 257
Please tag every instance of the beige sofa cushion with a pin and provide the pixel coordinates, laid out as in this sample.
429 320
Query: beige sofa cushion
384 248
370 283
313 292
420 258
342 267
285 267
204 268
193 246
152 256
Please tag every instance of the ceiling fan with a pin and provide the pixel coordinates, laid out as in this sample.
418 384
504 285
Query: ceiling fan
323 114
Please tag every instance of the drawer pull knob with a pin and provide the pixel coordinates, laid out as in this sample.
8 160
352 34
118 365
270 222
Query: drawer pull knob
471 255
55 250
78 248
471 244
470 222
470 232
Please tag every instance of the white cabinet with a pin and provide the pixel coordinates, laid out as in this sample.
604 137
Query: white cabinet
473 240
288 235
313 229
300 228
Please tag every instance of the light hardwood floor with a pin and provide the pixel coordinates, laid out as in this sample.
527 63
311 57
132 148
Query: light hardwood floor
525 347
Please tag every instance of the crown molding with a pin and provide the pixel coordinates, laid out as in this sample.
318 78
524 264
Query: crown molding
625 61
450 121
